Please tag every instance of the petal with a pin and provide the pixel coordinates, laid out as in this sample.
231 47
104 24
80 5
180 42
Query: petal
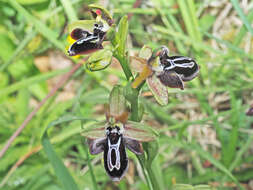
142 76
159 91
99 60
171 79
96 146
133 145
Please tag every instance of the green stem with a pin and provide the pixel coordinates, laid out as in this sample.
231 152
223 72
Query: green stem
134 94
141 161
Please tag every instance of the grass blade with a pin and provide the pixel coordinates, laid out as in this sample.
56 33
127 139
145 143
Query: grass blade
21 46
242 15
215 162
243 30
71 13
40 27
61 171
26 82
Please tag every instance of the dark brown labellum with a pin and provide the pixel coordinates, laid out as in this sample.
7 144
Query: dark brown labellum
87 42
85 46
114 147
171 79
115 157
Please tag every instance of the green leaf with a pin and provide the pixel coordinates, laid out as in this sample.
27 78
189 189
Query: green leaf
122 35
190 187
242 33
60 170
151 149
7 47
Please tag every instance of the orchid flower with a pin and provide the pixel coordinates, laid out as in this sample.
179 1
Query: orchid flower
116 134
87 36
160 71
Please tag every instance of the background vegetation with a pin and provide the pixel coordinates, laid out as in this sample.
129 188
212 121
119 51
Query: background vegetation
206 137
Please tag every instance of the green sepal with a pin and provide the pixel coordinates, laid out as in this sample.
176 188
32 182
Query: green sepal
83 24
117 101
105 13
145 52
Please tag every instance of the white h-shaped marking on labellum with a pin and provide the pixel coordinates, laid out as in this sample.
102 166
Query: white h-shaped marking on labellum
114 147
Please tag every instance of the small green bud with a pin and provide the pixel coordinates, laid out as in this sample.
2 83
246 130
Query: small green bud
99 60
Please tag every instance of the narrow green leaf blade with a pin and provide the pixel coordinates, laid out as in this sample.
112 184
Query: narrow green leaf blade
69 10
61 171
242 15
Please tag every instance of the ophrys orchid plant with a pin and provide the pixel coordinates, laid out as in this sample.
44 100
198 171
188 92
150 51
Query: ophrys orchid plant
160 70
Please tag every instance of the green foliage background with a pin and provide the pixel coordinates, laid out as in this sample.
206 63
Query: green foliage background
206 138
